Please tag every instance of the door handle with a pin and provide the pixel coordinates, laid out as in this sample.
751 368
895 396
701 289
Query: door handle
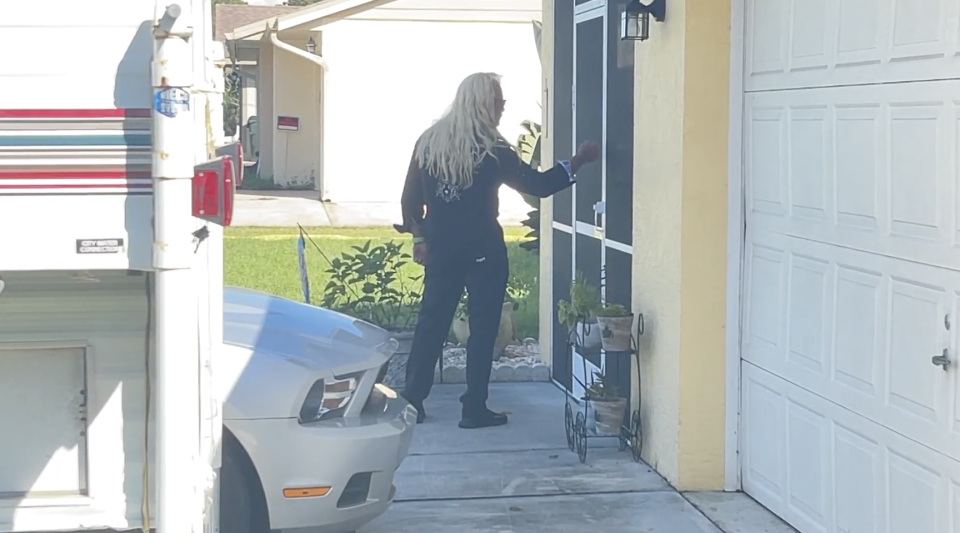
941 360
599 209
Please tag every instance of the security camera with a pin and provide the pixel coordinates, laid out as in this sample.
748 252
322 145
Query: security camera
1 285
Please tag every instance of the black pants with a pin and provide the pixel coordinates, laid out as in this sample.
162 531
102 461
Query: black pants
445 277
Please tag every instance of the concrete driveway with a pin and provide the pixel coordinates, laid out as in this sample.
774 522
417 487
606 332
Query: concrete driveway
289 208
521 478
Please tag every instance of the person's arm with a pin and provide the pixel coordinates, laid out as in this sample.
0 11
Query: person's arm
525 179
411 201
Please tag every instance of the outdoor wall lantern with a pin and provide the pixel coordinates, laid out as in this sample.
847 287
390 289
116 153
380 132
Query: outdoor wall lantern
635 20
312 46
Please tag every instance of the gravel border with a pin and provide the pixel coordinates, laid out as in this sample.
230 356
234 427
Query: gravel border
519 363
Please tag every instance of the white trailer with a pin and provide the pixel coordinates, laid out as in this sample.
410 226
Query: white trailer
111 302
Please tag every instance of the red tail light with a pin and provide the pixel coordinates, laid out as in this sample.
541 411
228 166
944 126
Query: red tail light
235 152
214 187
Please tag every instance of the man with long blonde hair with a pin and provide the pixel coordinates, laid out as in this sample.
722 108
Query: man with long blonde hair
450 205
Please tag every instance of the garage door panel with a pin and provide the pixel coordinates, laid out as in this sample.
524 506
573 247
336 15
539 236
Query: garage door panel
808 313
809 176
766 159
765 299
871 168
917 311
859 312
819 43
857 329
839 471
763 443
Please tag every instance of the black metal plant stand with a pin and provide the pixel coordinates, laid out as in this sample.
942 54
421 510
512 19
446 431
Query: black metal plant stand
577 432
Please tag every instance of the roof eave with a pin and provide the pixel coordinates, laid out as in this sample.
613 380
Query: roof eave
308 18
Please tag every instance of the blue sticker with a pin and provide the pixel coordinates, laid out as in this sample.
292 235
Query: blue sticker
170 101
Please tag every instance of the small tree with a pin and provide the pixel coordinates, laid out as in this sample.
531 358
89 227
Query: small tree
301 2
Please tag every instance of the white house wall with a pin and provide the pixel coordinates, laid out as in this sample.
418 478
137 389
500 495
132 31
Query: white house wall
390 80
296 93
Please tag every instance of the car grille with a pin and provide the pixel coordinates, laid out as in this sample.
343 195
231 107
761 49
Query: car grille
356 491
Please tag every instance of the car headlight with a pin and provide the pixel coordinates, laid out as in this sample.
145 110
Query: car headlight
329 398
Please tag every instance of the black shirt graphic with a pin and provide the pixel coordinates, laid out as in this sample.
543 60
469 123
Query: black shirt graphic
465 220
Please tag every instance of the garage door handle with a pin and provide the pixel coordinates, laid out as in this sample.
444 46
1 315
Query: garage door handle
941 360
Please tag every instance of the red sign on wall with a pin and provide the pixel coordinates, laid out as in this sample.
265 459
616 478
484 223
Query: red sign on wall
288 123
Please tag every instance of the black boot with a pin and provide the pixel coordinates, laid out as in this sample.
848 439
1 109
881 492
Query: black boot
482 418
421 414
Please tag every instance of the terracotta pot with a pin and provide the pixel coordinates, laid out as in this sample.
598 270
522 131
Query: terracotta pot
461 330
608 415
615 332
588 335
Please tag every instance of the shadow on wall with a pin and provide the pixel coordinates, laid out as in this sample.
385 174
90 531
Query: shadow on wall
133 89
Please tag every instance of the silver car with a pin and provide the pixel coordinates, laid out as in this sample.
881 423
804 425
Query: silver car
311 440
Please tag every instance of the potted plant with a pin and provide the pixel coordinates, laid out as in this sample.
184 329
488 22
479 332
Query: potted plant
579 314
368 283
461 322
505 335
608 405
615 324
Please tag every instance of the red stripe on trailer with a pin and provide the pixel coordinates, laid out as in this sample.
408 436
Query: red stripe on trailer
80 186
68 175
74 113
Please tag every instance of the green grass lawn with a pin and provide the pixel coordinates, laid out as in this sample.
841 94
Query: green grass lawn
265 259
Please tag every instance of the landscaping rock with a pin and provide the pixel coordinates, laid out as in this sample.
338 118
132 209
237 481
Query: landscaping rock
520 362
454 374
503 373
540 373
523 372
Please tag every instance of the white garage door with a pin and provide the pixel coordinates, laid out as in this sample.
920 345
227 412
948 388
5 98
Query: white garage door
852 264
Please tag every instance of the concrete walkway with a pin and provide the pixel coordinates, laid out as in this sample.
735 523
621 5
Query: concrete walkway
289 208
522 478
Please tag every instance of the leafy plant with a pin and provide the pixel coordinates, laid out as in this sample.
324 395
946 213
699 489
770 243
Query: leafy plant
528 145
611 310
583 304
231 101
368 285
600 390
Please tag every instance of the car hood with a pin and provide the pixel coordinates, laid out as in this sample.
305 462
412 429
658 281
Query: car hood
302 334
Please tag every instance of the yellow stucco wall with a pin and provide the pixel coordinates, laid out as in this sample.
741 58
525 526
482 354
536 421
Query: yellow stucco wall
680 213
704 245
658 178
